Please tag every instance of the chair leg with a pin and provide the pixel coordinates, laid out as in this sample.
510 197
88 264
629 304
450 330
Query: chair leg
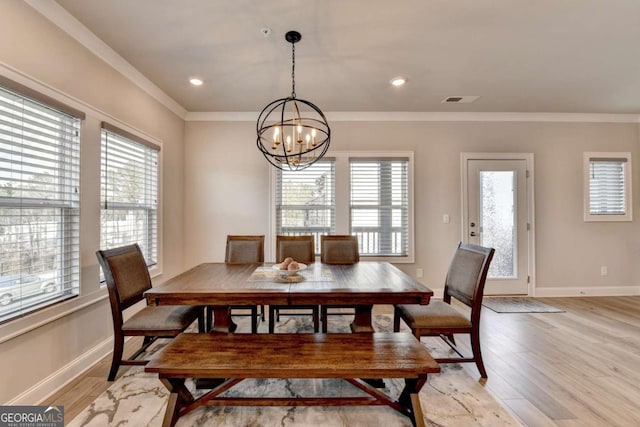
323 317
272 319
396 320
254 319
316 321
208 318
477 354
201 320
118 346
451 338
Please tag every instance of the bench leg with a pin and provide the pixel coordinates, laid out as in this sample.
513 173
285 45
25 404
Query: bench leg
179 397
418 416
410 400
171 415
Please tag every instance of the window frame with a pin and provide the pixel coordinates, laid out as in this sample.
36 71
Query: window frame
343 199
155 266
625 157
65 205
279 207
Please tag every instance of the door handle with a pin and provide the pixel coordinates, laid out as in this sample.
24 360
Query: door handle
473 234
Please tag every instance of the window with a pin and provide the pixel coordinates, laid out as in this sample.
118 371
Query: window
305 201
39 201
380 205
129 192
351 193
607 187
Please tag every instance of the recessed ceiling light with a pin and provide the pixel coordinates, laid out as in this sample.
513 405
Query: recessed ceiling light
195 81
398 81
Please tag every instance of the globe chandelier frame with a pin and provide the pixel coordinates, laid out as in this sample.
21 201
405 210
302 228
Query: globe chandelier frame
292 133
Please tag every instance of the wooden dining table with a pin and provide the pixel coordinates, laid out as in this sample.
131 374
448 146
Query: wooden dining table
220 285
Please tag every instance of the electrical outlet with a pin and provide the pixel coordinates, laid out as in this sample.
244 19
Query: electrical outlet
446 219
419 273
603 270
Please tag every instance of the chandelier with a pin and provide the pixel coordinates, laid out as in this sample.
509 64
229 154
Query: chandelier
292 133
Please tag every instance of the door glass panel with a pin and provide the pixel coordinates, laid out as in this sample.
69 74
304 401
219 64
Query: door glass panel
498 220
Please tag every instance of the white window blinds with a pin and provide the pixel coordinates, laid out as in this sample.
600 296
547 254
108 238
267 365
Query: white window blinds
129 192
607 186
380 205
305 201
39 204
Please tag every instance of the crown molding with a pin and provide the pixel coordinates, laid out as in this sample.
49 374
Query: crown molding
65 21
409 116
69 24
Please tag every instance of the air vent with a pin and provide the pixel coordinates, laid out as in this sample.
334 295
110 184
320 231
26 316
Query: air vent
459 99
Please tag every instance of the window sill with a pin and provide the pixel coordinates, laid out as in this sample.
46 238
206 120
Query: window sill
20 326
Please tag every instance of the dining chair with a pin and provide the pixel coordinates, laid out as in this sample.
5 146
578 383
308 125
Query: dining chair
301 249
245 249
465 282
127 277
338 250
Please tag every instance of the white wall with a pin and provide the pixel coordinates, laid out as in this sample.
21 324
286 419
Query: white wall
226 188
569 251
36 53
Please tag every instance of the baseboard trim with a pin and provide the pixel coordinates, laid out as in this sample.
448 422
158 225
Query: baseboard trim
603 291
54 382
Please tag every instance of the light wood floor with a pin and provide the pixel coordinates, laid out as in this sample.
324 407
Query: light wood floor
578 368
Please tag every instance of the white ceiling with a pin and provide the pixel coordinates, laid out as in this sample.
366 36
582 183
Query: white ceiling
548 56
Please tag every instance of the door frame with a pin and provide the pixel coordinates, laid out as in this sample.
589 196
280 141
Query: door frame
530 209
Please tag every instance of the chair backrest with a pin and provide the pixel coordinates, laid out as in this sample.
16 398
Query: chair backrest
300 248
244 249
467 274
336 249
126 274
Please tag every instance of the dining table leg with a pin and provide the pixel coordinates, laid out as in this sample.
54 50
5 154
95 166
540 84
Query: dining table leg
222 323
222 319
362 320
362 324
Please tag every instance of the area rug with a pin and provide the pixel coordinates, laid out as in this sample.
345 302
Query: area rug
451 398
518 305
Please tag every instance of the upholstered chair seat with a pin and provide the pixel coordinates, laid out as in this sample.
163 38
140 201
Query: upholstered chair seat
435 315
163 320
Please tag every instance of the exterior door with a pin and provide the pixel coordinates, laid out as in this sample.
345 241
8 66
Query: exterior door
497 215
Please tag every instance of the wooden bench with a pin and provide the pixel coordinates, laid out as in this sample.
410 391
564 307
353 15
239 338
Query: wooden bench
236 357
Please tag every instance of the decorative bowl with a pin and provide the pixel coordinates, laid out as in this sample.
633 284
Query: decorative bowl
285 273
